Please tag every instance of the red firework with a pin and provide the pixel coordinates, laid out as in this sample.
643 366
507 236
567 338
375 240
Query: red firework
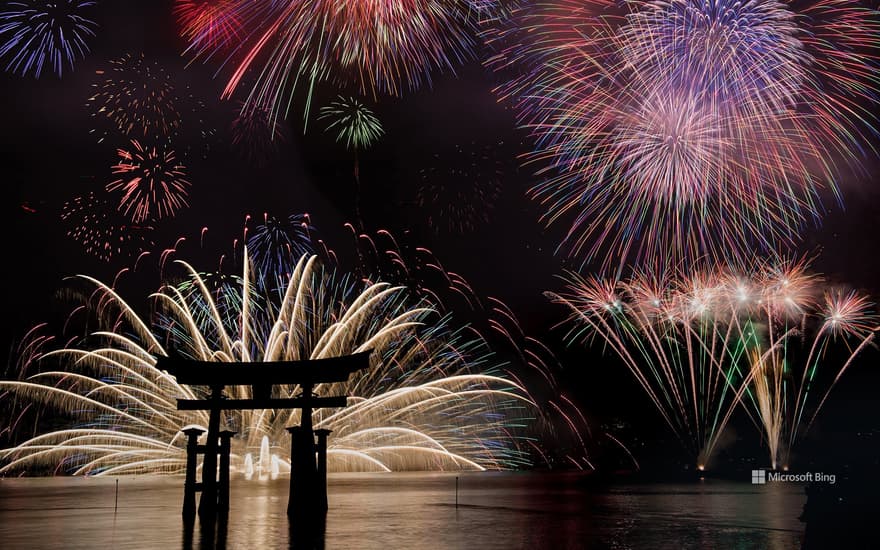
153 183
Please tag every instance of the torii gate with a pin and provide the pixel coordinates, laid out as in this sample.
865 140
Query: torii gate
308 481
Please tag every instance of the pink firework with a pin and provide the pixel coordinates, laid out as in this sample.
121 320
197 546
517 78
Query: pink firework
676 130
773 338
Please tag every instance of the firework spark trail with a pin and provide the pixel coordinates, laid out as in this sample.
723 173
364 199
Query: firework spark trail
38 34
681 129
208 24
357 127
699 344
430 400
375 46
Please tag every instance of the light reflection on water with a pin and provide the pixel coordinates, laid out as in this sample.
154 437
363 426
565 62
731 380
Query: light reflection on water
389 511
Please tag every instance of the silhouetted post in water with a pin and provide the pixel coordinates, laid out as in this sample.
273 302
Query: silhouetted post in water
456 491
322 434
223 489
189 485
303 473
208 502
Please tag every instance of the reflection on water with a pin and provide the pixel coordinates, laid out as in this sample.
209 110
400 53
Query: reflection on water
387 511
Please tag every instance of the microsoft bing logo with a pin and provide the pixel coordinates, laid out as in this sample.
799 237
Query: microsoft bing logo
762 477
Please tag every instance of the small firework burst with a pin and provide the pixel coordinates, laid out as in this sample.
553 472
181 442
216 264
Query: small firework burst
94 223
152 182
357 127
44 34
137 98
255 134
352 122
277 244
458 191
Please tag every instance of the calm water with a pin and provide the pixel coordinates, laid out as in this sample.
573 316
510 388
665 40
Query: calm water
390 511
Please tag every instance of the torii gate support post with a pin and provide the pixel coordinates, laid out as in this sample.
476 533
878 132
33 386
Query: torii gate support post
322 434
208 502
303 474
301 501
189 485
223 488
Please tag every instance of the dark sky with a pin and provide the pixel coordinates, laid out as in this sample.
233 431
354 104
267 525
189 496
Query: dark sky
49 157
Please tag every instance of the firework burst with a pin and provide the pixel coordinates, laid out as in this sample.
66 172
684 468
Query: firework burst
681 129
276 244
458 191
256 135
357 127
377 47
137 98
352 122
431 398
701 344
152 182
40 34
92 222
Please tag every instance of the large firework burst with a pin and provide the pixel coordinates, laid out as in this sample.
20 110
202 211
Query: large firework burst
680 128
38 34
699 344
430 400
375 46
152 182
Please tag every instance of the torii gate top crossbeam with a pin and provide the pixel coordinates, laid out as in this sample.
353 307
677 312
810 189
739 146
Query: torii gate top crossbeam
308 372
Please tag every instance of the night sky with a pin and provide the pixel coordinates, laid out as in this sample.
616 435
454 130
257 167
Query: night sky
49 157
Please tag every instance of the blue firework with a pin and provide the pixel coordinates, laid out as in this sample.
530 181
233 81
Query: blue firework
36 35
277 244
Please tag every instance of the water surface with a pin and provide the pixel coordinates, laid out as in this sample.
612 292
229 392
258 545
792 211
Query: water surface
409 510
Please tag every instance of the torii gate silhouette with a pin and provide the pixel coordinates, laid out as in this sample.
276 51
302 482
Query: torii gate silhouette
308 480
